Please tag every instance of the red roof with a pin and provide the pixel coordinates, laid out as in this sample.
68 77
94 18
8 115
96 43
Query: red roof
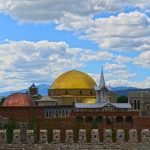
18 99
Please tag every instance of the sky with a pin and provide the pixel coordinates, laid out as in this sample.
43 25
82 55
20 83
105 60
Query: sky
40 39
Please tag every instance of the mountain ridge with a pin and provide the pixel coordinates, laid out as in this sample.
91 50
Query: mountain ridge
43 90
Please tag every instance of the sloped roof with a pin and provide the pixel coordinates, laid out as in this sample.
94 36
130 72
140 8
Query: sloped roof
101 105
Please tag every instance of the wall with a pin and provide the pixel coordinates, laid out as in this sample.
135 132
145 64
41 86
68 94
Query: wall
108 142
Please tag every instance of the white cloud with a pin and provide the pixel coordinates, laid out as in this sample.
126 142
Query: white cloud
122 59
73 22
114 67
113 82
122 82
117 71
25 62
143 59
52 10
123 32
96 55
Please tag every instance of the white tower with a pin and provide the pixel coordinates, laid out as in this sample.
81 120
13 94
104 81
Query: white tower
101 90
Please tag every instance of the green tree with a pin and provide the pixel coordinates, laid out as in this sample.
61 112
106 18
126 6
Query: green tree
32 125
11 125
122 99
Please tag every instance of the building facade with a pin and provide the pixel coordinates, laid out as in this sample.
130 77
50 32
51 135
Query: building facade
140 101
71 104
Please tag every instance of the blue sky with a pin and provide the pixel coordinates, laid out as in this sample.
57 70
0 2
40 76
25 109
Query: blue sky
40 40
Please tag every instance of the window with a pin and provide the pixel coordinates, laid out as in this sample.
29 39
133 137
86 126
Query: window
80 92
131 102
138 104
134 104
147 108
91 92
66 92
46 114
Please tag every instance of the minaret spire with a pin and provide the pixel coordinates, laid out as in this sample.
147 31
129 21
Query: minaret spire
102 80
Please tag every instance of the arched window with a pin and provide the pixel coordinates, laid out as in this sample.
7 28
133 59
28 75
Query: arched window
129 119
66 92
119 119
79 119
99 119
89 119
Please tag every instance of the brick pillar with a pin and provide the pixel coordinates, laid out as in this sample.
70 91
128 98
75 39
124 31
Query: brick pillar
30 137
16 136
108 136
145 136
114 122
43 137
124 122
56 136
69 137
82 136
3 137
95 136
104 121
133 136
120 136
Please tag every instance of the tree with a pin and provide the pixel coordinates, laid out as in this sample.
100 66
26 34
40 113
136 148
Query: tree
122 99
11 125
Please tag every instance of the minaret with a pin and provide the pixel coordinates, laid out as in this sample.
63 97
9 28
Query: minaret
101 90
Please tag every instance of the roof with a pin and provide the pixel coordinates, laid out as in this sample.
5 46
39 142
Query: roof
33 86
18 99
101 105
73 79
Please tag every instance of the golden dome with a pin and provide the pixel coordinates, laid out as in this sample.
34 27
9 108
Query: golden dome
73 80
89 101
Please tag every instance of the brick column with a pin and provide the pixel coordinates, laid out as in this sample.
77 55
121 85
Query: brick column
114 121
104 121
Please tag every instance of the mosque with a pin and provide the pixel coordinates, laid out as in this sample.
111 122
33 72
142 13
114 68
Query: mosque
74 96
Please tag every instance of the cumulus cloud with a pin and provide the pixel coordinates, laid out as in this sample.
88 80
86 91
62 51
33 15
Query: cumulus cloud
24 62
96 55
122 59
143 59
115 82
123 82
123 32
52 10
118 71
127 31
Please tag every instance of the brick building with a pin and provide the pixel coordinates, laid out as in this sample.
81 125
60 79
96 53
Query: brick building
88 108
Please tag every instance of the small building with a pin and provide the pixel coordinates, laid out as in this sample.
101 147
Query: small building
46 101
